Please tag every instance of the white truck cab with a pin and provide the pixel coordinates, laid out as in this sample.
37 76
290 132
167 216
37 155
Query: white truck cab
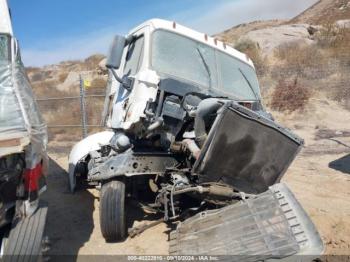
158 50
159 55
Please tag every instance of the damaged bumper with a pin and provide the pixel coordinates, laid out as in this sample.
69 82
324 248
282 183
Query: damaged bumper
271 226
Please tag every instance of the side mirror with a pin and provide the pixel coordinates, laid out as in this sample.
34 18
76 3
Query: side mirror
16 51
115 54
13 49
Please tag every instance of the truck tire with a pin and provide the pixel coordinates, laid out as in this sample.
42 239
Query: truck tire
24 243
112 211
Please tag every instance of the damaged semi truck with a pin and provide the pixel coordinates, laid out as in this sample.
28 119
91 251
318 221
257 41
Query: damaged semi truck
23 158
188 137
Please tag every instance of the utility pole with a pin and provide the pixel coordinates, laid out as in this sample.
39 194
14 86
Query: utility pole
83 107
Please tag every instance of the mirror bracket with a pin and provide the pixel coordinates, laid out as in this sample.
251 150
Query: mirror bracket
125 81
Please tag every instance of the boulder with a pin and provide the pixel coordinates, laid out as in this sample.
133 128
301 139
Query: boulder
269 38
102 69
343 23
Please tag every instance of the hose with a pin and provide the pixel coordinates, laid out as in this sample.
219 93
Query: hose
205 108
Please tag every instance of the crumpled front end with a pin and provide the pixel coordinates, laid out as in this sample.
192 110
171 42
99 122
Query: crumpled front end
249 153
273 225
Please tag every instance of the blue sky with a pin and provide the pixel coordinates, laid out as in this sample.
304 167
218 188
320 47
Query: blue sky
50 31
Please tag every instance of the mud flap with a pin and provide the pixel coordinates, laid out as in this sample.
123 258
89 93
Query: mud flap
271 226
25 239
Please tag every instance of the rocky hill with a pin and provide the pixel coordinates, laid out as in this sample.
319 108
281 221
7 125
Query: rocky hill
302 29
312 48
57 88
64 77
236 32
324 12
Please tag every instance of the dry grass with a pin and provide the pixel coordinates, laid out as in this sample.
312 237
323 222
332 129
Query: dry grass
290 96
299 60
46 84
62 76
336 43
91 63
99 83
46 88
340 91
331 36
253 52
31 70
324 66
324 12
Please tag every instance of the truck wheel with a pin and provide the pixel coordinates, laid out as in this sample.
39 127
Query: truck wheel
112 211
24 243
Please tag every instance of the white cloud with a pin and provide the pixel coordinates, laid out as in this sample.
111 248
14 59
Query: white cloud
231 13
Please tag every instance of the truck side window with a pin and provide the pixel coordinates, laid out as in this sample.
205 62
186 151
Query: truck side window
134 56
4 48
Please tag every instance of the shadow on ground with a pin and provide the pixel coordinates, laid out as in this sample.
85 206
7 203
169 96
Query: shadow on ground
70 216
342 164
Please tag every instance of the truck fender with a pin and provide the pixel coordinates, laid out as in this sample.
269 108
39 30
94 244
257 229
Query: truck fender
82 149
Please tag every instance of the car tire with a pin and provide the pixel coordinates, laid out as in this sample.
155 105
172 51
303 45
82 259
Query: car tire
112 211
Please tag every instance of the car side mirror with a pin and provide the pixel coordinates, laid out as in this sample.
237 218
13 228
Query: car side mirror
115 54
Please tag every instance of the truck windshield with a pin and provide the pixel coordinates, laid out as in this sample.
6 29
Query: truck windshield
187 59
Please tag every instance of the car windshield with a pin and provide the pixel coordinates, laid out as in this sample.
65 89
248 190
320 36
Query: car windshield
181 57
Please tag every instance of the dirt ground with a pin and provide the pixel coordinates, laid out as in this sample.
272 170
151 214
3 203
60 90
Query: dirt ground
319 177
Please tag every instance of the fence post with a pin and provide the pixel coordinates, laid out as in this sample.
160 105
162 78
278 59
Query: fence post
83 107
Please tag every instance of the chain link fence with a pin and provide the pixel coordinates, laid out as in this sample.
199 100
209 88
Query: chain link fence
73 117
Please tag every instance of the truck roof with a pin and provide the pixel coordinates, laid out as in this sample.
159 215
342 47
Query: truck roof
200 37
5 18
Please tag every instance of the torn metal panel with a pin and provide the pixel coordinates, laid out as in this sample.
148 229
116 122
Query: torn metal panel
272 225
131 164
19 113
14 144
11 117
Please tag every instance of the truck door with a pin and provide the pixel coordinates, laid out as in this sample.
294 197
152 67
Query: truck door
134 56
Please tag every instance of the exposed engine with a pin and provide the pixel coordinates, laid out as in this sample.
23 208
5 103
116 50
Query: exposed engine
183 139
